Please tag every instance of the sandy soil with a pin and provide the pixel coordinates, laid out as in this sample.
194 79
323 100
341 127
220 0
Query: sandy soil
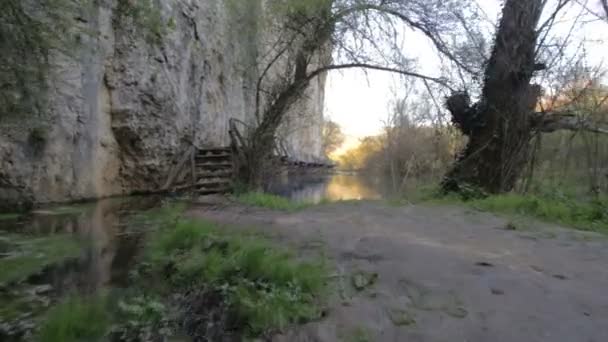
443 273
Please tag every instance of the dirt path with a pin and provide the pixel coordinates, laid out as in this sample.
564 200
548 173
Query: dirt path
443 274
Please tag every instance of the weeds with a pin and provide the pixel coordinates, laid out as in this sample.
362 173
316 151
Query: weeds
260 199
195 277
581 214
9 216
75 320
262 288
548 205
27 256
141 318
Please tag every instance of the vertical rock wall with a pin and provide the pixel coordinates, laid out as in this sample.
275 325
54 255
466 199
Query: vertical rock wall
125 103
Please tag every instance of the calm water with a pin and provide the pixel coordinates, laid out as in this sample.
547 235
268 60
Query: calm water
110 239
313 188
105 232
108 236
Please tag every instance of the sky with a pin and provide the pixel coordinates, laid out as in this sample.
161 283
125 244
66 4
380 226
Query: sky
360 101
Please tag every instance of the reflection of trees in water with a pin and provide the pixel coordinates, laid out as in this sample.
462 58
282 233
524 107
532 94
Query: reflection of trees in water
315 188
352 187
299 186
107 253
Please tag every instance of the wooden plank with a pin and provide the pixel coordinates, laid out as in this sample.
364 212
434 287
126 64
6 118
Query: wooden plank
178 168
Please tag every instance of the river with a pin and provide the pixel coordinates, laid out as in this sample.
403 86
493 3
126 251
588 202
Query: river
109 235
342 186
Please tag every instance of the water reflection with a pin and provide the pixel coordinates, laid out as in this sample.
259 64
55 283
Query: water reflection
108 249
314 188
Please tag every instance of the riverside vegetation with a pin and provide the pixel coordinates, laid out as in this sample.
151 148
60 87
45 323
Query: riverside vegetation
193 278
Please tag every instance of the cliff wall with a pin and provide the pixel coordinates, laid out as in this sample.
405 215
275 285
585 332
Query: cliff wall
126 101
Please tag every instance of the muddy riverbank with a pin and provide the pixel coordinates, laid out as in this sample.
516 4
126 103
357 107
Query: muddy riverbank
441 273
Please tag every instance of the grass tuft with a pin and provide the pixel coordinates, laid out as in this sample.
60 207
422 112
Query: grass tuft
75 320
29 255
9 216
264 288
589 215
260 199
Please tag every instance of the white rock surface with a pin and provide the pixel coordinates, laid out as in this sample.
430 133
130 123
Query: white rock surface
123 108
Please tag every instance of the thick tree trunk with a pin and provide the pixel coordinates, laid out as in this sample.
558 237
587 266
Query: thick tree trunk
499 125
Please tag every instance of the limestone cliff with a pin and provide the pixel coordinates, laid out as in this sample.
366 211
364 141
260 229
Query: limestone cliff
123 106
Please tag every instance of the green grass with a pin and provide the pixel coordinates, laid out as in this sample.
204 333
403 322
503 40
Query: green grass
30 255
581 214
76 320
9 216
562 206
14 305
264 288
260 199
257 287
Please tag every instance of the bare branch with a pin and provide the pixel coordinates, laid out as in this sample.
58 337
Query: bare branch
327 68
439 44
548 122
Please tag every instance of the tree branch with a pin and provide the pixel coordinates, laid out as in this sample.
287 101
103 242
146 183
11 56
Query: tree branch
435 39
327 68
548 122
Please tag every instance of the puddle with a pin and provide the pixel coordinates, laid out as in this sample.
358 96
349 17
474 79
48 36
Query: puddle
57 251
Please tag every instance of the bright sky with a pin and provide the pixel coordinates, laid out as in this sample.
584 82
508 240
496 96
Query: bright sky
359 101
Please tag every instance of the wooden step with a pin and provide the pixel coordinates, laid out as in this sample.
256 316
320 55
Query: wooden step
214 150
213 156
211 183
216 186
214 191
214 174
216 157
209 164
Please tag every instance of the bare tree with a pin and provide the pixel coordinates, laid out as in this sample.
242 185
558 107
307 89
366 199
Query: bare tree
498 126
361 34
332 136
605 7
502 123
364 34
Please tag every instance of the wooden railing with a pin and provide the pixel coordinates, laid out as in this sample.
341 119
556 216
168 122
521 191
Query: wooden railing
178 172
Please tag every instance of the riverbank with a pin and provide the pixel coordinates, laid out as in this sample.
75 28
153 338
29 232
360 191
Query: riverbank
390 271
440 272
184 277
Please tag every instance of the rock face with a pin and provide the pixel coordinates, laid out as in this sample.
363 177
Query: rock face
127 102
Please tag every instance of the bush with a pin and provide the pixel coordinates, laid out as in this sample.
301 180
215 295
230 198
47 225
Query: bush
262 288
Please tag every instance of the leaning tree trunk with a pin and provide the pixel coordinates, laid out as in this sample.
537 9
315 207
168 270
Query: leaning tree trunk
499 125
262 141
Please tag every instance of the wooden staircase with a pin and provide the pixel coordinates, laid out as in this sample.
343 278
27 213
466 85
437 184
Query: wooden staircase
213 170
203 171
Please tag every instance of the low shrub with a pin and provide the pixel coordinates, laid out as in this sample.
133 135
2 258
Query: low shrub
261 288
76 319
